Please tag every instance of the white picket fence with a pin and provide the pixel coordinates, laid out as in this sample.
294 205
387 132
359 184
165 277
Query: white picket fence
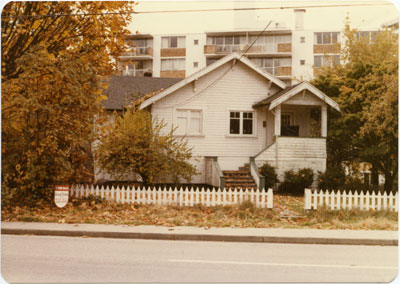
175 196
348 200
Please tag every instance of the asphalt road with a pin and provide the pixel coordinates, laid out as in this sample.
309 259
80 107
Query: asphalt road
64 259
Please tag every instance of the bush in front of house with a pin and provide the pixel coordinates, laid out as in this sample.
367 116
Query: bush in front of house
270 175
332 179
295 182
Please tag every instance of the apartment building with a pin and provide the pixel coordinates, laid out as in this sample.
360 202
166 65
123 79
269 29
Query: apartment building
292 55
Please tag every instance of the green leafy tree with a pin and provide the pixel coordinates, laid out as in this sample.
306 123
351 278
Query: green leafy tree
366 88
136 143
54 56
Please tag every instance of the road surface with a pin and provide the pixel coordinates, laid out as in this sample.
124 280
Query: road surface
64 259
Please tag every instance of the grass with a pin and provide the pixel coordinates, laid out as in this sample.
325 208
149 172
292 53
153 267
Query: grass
288 212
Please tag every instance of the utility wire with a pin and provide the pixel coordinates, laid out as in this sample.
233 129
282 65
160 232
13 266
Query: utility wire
194 11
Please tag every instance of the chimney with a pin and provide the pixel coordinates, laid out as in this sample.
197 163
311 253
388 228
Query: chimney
299 17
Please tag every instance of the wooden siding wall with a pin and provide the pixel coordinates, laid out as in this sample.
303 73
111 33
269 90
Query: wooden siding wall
327 48
295 153
284 47
238 90
173 74
172 52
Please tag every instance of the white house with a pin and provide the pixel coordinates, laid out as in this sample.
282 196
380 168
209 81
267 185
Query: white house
233 113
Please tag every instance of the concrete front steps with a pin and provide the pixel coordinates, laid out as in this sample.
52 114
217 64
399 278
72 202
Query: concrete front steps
239 179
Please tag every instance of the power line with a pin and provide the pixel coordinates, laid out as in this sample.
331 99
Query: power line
194 11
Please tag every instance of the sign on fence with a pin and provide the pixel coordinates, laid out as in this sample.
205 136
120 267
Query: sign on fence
61 193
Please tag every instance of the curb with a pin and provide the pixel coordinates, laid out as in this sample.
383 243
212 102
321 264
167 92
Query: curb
201 237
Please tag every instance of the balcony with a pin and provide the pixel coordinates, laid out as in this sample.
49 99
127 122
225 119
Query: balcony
138 52
275 49
280 71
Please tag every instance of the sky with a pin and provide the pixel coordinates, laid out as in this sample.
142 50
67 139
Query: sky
318 18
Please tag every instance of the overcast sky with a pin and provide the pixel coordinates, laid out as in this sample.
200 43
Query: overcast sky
320 18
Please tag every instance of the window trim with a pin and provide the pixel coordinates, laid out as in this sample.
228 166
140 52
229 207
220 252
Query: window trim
228 115
188 111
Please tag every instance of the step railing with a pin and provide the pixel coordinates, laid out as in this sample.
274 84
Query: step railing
255 173
176 196
349 200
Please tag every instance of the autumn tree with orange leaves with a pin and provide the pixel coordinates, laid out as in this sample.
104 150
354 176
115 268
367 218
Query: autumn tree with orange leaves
54 57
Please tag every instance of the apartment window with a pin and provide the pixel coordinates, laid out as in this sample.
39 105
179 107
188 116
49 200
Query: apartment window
369 36
326 60
195 64
241 123
302 39
326 38
189 122
302 62
173 64
173 42
196 42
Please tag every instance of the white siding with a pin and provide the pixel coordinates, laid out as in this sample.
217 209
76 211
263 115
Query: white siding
294 154
215 94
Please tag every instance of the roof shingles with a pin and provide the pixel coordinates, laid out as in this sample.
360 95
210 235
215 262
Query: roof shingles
123 90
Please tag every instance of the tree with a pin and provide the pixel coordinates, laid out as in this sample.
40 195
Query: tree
136 143
366 88
54 58
94 30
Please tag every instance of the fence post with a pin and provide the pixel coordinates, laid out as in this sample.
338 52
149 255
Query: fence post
307 199
270 198
263 192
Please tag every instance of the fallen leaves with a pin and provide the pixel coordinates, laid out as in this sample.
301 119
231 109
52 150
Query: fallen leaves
288 212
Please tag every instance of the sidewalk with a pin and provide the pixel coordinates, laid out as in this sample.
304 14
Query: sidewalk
262 235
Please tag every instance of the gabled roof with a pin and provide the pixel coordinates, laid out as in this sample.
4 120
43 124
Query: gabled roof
211 67
284 95
123 90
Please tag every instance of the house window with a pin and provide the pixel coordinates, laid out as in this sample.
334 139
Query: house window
173 42
195 64
302 62
326 60
302 39
189 122
241 123
287 119
173 64
326 38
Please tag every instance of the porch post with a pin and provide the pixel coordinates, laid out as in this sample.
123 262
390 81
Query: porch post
278 120
324 121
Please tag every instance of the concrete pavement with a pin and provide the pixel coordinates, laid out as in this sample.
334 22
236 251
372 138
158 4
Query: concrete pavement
260 235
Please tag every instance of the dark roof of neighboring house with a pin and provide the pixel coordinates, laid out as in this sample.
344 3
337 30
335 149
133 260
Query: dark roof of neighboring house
271 98
122 90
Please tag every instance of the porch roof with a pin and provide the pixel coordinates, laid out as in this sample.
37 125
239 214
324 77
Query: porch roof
285 94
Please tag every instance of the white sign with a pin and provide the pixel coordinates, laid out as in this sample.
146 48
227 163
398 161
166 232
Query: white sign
61 193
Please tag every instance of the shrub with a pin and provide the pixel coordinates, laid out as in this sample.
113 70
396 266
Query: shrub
296 182
332 178
270 175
